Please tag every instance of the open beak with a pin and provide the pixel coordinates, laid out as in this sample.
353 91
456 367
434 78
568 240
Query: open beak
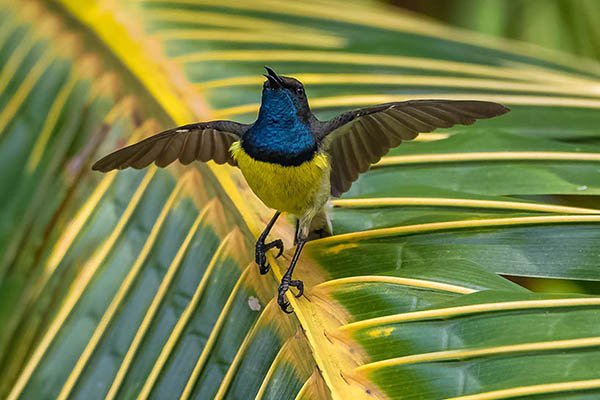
274 79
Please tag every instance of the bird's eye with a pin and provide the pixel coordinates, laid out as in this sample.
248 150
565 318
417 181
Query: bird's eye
300 90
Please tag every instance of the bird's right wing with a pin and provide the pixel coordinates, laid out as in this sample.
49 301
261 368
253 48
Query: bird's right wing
202 141
356 139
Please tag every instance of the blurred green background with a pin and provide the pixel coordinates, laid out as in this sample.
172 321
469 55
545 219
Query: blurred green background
567 25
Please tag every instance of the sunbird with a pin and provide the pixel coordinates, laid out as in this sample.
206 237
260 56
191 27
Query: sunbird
293 161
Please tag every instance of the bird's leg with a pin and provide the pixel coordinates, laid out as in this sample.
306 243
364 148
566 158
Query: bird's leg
262 248
287 281
296 232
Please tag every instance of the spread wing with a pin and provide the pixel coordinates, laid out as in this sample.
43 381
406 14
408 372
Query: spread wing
356 139
201 141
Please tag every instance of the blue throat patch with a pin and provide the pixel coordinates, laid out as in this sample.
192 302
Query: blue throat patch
278 135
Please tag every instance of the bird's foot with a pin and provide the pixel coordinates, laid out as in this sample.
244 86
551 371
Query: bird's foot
283 288
261 254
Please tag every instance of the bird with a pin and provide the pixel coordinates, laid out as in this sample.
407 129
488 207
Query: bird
295 162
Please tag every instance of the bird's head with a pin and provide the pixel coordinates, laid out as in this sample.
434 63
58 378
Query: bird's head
278 86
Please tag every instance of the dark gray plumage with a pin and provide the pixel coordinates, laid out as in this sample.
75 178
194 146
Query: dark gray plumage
202 141
359 138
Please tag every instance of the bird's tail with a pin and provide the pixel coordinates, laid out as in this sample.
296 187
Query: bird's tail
320 226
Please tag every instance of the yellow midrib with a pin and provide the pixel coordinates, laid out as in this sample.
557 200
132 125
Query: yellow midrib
132 54
117 38
102 21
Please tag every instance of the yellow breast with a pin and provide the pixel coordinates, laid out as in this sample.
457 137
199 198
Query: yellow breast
288 189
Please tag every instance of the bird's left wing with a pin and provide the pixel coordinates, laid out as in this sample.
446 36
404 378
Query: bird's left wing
356 139
202 141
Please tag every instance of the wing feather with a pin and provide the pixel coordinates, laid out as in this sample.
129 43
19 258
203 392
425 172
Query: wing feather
359 138
170 151
205 149
202 141
447 116
347 170
220 153
187 155
143 157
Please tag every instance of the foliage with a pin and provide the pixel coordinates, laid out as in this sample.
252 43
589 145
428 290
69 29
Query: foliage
567 25
141 283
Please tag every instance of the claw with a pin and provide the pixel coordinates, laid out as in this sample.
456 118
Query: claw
279 244
300 286
264 268
261 251
283 288
285 308
261 260
275 244
283 303
287 281
261 248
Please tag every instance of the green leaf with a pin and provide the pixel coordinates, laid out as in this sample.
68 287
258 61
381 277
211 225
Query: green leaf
141 284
